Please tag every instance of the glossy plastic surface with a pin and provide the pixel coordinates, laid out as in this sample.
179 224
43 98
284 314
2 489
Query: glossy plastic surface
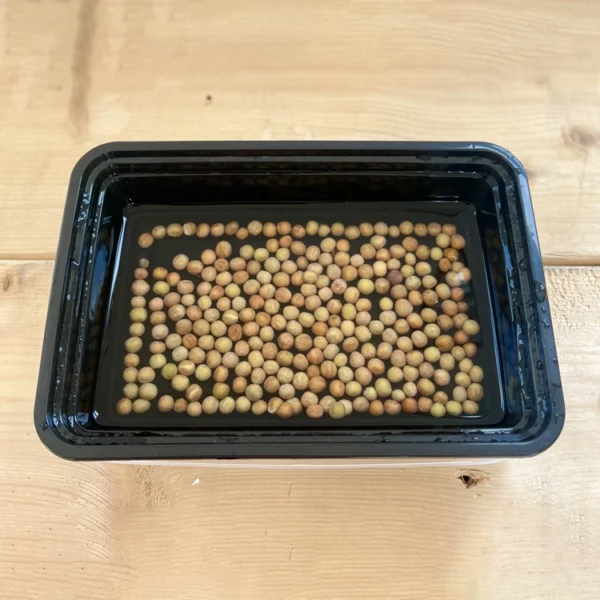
119 189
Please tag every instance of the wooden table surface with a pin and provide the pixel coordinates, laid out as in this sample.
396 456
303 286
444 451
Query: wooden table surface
525 75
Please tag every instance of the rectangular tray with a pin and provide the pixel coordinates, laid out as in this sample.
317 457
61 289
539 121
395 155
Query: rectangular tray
118 191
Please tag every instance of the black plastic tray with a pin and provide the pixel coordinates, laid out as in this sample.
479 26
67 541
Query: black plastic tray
119 190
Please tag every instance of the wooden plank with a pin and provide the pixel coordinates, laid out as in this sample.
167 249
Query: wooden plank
527 529
76 74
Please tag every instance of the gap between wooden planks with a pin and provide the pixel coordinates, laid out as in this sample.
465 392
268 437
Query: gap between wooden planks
522 75
126 531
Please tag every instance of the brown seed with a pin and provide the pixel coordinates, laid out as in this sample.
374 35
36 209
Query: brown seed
462 379
242 404
193 393
470 350
180 405
210 405
146 375
445 322
376 366
337 388
140 405
159 232
314 411
453 408
370 394
273 405
378 241
145 240
409 405
419 339
160 332
347 405
453 279
223 249
459 394
156 304
415 298
328 369
271 384
444 265
471 327
183 326
457 241
226 405
447 362
476 374
148 391
383 388
259 407
376 408
425 387
176 312
475 392
286 391
458 353
360 404
363 376
432 331
254 392
296 405
457 294
315 356
441 377
414 358
312 371
430 298
470 408
174 230
444 343
449 229
241 233
395 277
303 342
420 229
220 390
460 337
171 299
140 287
140 273
285 411
392 407
459 320
202 231
410 244
440 397
429 282
131 391
189 228
366 229
337 410
255 227
194 409
437 410
217 230
410 375
317 384
165 403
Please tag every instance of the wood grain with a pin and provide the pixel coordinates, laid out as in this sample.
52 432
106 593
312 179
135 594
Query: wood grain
74 74
524 530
